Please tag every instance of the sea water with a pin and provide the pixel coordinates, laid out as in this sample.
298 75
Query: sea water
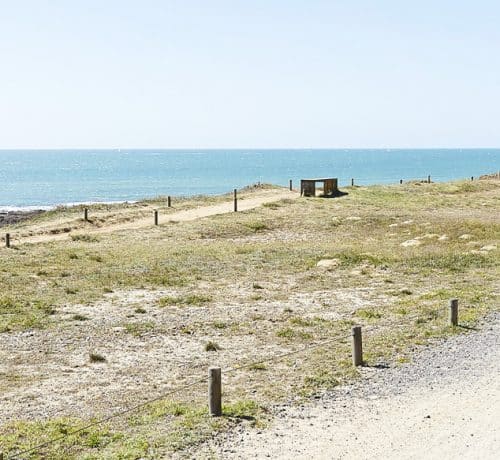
45 178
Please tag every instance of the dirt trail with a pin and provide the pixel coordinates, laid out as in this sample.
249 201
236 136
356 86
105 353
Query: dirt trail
445 405
244 204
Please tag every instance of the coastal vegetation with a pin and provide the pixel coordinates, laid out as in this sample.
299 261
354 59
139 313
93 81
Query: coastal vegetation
97 317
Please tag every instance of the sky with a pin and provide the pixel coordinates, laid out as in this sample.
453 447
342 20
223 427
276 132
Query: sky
249 74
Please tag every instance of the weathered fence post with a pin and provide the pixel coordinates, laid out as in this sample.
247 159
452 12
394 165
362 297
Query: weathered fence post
235 200
400 181
7 243
156 217
428 179
169 201
357 346
472 178
291 188
352 182
86 214
215 391
454 312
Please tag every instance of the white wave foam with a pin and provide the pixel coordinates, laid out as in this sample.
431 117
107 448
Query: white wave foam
4 209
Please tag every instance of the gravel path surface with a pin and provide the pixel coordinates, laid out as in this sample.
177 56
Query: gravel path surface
445 404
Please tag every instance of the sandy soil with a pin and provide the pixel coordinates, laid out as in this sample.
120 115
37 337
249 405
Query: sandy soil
445 405
138 367
244 204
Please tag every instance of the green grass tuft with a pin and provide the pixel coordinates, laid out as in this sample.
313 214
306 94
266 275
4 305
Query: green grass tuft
212 346
96 358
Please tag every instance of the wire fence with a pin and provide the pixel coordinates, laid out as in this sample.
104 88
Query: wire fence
368 330
171 392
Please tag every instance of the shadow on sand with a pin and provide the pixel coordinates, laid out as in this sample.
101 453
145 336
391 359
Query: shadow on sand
336 194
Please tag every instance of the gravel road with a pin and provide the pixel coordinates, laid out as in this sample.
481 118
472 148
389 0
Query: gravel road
444 404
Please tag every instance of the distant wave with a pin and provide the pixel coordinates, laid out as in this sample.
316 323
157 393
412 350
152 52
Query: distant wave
4 209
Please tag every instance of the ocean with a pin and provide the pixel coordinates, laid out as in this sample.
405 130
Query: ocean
46 178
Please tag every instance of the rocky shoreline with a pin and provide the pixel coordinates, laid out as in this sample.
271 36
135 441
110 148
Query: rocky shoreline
13 217
490 176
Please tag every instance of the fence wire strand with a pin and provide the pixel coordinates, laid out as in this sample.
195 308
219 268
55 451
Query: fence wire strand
313 346
174 391
136 407
106 419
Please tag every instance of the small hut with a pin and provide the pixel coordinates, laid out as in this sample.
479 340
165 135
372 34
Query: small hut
308 186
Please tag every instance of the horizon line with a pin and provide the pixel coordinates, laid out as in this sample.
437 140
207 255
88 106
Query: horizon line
239 148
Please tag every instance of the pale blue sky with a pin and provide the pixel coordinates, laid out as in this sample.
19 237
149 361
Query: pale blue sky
249 73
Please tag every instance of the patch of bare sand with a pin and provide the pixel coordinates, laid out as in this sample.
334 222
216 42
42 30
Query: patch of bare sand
48 372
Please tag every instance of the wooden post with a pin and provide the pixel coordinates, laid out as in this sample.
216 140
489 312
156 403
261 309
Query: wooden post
215 391
169 201
235 200
86 214
428 179
357 346
156 217
453 312
291 188
472 178
7 240
352 182
400 181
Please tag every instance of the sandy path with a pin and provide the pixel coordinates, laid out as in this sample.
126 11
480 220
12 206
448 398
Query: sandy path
445 405
244 204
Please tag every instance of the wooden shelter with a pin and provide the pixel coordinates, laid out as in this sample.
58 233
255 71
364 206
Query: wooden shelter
308 186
